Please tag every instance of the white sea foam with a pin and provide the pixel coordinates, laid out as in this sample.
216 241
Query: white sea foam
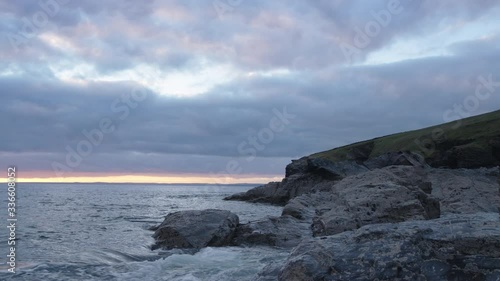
234 263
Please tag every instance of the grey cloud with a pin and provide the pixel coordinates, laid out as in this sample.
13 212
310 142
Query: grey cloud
255 35
334 104
213 124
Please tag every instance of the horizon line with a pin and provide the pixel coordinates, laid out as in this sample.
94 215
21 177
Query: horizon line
150 183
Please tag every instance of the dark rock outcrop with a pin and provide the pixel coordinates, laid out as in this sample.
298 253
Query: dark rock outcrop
196 229
311 174
455 247
403 158
324 167
495 147
392 194
333 170
284 232
469 154
298 166
279 193
419 205
305 175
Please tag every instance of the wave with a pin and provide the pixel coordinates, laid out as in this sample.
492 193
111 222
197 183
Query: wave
232 263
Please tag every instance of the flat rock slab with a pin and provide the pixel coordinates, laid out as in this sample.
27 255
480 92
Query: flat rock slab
453 247
196 229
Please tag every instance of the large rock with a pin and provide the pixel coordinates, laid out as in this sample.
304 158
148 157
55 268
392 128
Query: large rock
313 174
389 195
455 247
279 193
306 175
298 166
196 229
392 194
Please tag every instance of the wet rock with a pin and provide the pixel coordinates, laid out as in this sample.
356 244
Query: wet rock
196 229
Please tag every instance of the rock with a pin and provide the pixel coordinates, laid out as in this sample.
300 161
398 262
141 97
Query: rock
298 166
267 193
279 193
313 174
468 153
302 207
334 170
495 148
361 151
404 158
466 190
455 247
284 231
196 229
305 175
270 271
392 194
471 156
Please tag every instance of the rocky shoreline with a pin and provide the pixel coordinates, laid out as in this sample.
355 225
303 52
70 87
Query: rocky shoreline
396 220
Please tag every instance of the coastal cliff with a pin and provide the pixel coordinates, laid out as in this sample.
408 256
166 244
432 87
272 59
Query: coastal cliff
464 144
420 205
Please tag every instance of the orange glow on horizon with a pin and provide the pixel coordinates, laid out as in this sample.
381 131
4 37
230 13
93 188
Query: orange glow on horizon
140 178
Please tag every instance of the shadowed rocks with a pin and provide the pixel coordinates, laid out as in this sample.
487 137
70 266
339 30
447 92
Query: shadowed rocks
196 229
309 175
454 247
399 222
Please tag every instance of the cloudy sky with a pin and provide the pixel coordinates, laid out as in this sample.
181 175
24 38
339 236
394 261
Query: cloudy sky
230 90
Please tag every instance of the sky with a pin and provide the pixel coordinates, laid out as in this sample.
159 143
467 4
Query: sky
229 91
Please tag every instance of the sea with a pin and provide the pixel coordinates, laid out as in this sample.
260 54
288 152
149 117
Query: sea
101 232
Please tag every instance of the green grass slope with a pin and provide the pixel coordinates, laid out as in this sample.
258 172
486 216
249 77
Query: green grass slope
477 133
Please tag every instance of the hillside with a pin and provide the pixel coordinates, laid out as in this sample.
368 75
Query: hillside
456 144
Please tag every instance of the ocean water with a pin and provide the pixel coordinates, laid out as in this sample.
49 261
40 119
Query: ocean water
100 232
